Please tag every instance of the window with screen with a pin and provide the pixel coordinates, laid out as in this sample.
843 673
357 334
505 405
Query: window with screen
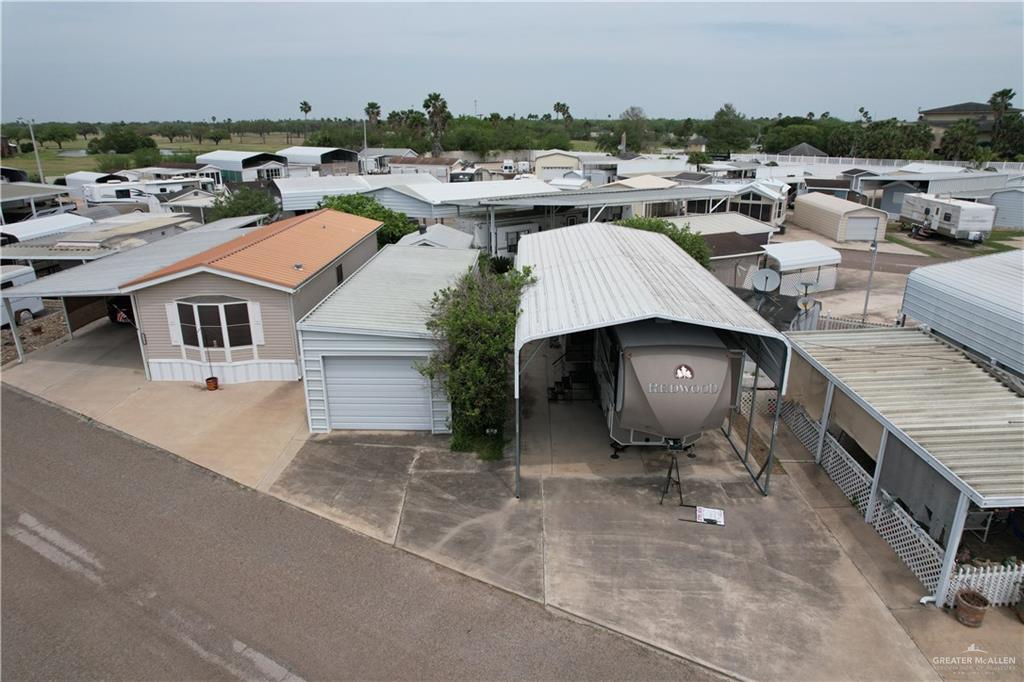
214 322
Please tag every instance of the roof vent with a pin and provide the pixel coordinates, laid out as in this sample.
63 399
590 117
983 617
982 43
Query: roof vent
297 266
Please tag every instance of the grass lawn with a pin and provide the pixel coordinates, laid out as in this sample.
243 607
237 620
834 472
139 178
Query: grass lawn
583 146
57 166
997 240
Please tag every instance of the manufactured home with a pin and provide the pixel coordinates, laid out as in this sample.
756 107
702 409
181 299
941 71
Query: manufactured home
929 214
247 166
838 219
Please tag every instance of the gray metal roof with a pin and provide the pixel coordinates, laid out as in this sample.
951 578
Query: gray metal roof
597 275
438 235
104 277
23 191
613 197
955 415
976 302
391 293
231 223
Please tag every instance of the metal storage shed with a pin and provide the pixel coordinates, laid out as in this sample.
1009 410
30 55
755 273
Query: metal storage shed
314 156
978 303
839 219
1009 205
361 346
597 275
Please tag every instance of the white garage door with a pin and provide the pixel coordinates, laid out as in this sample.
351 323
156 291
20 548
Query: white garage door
377 393
861 229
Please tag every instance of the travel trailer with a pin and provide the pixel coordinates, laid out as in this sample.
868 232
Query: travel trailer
119 192
662 383
930 214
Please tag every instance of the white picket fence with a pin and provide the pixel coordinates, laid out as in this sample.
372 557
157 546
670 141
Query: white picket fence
1001 585
860 162
921 554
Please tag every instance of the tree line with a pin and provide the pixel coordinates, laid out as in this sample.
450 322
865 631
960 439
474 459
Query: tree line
434 128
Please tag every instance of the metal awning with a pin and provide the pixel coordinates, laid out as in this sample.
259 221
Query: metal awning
956 416
616 197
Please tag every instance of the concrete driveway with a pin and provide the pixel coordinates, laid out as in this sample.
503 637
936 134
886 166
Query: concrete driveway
247 432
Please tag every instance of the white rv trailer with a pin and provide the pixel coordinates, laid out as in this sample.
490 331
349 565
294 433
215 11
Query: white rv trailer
663 382
929 213
138 191
16 275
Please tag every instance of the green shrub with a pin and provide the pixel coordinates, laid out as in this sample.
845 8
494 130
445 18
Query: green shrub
474 323
690 242
396 225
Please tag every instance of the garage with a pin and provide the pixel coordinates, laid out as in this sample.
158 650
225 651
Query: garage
363 344
861 229
838 219
377 393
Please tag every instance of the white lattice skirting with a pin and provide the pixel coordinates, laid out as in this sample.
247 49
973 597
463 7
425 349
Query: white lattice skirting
921 554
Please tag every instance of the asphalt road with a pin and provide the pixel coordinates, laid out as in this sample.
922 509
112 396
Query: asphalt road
121 561
887 262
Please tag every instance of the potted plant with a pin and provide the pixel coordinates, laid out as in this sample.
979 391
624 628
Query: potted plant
970 607
211 380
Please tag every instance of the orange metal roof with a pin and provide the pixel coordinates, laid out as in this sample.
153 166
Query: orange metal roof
271 253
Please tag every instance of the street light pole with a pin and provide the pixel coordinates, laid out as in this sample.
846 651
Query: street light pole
32 135
871 274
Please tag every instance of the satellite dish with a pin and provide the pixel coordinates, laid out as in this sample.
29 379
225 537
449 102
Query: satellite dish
805 303
766 280
808 285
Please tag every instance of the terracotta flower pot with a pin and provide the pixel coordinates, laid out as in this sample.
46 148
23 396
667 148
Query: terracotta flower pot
211 383
970 607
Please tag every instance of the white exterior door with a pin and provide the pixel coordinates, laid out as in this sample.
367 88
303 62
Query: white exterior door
861 229
377 393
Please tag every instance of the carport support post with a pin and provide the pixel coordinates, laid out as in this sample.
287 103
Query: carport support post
750 418
67 320
871 274
14 329
823 425
869 512
952 544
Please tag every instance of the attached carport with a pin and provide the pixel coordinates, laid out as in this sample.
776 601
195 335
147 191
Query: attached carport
936 434
599 275
83 290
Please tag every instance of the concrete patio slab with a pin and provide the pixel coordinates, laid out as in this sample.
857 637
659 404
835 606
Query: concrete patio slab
769 596
361 486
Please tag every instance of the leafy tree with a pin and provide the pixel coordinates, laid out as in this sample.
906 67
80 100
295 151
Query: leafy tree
198 131
395 225
438 116
777 139
960 140
685 130
86 129
216 134
120 139
57 132
372 111
145 156
244 201
172 130
1006 124
690 242
474 323
15 132
698 158
729 130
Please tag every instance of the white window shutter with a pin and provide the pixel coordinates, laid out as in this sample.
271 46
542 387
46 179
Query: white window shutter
255 323
173 323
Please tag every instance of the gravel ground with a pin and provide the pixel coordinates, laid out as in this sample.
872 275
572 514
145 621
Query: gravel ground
45 328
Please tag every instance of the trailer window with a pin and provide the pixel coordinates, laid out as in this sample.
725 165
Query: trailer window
947 216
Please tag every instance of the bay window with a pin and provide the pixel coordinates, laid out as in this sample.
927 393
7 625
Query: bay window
214 322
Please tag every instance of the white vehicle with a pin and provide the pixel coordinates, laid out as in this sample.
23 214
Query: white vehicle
508 166
523 167
16 275
928 214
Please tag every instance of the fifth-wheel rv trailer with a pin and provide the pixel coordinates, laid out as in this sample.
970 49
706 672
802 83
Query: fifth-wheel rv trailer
928 213
663 383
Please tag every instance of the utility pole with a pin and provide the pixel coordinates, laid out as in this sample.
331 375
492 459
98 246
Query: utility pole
35 148
871 274
364 133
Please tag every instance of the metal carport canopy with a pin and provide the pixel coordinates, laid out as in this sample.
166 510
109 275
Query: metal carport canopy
605 197
104 277
598 275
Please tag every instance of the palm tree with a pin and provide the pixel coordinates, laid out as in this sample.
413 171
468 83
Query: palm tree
372 112
305 107
438 115
1000 103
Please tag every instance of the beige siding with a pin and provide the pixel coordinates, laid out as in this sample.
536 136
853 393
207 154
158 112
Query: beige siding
317 288
830 220
275 309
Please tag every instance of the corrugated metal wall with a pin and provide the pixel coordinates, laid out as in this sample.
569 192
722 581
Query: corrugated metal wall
1009 208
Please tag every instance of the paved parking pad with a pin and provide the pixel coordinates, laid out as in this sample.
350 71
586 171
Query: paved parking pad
770 595
467 518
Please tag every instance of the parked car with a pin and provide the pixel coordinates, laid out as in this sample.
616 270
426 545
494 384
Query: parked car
26 306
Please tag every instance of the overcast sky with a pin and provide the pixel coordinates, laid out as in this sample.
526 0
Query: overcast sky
100 62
